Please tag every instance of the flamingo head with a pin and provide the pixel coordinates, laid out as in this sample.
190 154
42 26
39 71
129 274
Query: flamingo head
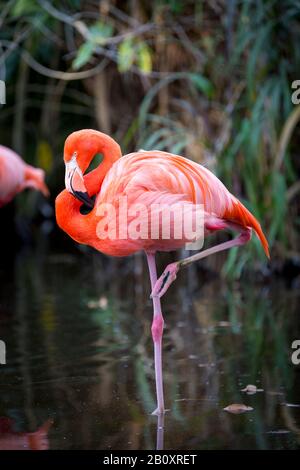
35 178
80 147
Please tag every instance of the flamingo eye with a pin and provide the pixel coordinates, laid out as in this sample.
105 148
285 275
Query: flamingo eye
72 163
74 157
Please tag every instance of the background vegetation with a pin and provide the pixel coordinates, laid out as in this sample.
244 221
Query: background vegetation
210 80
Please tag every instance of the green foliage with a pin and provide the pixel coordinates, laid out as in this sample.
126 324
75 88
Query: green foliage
100 32
211 84
98 35
267 46
202 84
24 7
144 59
125 55
84 54
130 52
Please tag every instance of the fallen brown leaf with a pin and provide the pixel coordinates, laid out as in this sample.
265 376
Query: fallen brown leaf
251 389
101 303
237 408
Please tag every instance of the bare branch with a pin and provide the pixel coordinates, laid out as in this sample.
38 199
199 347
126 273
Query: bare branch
82 28
5 11
12 45
59 75
199 56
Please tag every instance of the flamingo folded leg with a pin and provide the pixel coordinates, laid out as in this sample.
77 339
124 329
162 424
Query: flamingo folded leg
169 274
157 333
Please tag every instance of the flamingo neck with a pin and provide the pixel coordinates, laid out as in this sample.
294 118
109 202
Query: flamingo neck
69 218
111 153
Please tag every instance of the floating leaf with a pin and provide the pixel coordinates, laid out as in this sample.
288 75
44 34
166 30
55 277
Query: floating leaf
291 405
224 324
84 54
101 303
251 389
237 408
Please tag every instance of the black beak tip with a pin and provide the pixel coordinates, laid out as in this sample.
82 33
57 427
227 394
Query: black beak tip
85 198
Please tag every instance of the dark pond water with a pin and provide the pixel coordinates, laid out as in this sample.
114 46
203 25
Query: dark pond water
79 353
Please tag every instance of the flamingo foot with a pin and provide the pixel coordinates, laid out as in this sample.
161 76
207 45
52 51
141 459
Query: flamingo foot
165 280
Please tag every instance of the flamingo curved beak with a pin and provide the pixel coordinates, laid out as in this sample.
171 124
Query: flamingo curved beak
75 183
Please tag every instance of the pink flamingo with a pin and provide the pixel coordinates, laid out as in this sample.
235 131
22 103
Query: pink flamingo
148 178
14 440
16 175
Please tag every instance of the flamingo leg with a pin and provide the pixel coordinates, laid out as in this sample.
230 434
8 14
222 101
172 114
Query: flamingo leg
157 333
169 274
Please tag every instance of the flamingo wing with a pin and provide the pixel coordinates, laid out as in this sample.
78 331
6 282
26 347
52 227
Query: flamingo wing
155 177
